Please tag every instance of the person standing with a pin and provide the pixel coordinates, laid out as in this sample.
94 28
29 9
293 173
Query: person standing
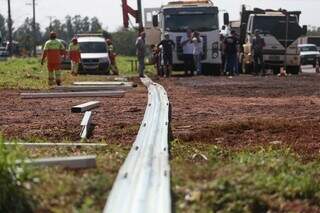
187 50
53 51
167 49
141 49
197 51
231 53
75 56
112 56
223 57
258 44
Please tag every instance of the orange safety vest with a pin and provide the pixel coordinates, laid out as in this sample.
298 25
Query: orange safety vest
74 52
53 50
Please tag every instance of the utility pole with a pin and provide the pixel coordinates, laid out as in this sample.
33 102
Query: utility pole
34 29
140 19
9 28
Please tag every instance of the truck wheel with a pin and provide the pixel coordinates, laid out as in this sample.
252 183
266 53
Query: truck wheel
211 69
295 70
276 70
247 68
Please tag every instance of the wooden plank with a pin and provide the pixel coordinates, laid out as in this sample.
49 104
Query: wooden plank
44 145
73 94
76 162
94 83
79 88
85 107
86 124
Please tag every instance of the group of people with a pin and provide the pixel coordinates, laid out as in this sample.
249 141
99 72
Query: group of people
54 50
192 51
230 52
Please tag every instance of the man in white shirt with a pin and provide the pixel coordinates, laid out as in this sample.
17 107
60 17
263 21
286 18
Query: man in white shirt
187 47
197 42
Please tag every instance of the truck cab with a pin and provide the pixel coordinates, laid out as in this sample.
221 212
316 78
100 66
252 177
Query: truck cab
281 32
176 18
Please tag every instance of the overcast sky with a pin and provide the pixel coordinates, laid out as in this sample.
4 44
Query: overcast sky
110 14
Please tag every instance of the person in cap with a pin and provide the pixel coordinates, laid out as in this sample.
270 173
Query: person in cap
75 55
141 52
112 56
168 46
53 52
231 48
258 44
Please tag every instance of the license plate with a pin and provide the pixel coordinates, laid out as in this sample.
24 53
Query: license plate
274 58
310 59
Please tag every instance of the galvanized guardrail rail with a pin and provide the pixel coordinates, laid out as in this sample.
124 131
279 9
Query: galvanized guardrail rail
143 182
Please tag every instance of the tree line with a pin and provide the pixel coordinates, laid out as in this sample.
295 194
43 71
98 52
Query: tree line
123 39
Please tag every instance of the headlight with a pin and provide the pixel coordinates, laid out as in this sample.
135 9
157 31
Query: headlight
215 46
215 55
103 60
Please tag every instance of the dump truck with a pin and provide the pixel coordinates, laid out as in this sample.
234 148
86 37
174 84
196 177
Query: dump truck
281 31
175 18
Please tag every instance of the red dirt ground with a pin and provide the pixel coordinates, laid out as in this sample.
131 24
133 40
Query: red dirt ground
241 112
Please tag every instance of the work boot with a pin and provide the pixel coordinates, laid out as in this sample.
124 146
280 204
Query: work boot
58 82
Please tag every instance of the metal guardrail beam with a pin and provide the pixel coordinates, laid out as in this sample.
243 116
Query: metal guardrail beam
85 107
143 182
72 94
86 125
50 145
76 162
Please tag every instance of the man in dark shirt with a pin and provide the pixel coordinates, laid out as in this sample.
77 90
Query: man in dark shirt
167 49
257 49
231 50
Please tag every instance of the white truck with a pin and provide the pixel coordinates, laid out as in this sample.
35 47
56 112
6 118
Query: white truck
281 31
178 16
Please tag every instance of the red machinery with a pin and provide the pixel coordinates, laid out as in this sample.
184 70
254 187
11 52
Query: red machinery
137 14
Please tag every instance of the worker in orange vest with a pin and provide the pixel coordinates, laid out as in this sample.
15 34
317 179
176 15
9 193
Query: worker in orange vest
53 51
75 56
112 57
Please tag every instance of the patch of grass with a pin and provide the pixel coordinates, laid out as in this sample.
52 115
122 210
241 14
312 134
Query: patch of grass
63 190
246 181
27 73
14 179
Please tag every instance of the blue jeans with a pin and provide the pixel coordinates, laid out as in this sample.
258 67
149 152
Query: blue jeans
197 63
231 63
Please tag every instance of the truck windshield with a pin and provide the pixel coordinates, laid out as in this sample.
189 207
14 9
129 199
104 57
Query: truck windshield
199 22
267 24
93 47
276 26
308 49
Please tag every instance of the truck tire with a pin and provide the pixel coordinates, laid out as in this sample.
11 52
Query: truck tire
276 70
211 69
294 70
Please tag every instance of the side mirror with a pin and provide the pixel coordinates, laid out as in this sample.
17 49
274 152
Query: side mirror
226 19
155 21
304 30
223 27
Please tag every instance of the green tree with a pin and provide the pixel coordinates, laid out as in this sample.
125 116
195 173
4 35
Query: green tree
24 35
85 25
96 26
2 29
124 41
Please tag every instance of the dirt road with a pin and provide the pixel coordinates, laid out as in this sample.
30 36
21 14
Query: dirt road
241 112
